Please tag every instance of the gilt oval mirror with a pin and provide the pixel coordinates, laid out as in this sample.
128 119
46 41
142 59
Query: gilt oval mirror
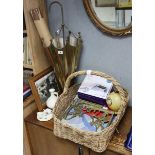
111 16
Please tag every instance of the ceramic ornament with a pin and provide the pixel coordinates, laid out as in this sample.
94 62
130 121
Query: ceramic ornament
52 99
46 115
114 101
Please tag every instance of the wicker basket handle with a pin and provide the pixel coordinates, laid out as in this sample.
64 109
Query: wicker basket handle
85 72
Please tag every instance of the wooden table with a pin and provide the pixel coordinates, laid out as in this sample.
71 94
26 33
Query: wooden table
41 134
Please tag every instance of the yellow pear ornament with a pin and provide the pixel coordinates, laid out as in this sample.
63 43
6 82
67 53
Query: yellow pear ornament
114 101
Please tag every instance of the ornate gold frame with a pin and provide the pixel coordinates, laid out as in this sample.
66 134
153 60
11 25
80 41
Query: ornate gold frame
115 32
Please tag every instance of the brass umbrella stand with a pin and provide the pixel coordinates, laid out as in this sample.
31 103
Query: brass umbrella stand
65 53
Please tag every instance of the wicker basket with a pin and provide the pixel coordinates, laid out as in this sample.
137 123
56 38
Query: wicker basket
97 141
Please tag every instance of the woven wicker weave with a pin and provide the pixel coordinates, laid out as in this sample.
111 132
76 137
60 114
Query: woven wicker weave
97 141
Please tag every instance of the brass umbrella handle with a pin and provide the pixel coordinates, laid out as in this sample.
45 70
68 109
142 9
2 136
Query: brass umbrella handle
62 17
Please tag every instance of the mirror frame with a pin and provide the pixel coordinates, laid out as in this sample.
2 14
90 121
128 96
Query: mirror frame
99 24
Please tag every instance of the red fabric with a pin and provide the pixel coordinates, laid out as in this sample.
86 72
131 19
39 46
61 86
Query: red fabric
93 113
25 87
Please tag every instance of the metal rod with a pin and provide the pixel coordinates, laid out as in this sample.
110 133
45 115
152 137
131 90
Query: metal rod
56 2
62 17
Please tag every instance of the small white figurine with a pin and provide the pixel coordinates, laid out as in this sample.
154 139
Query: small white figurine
45 115
52 99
